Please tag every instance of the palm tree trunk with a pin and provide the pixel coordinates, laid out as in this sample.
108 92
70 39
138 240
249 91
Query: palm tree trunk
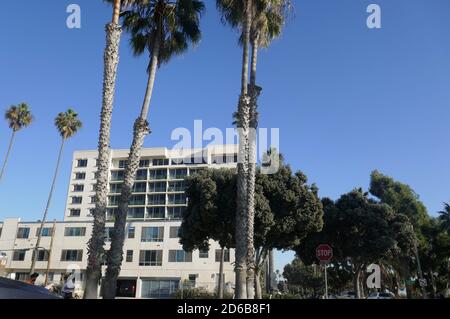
97 241
254 92
44 218
141 129
271 271
243 119
11 142
221 283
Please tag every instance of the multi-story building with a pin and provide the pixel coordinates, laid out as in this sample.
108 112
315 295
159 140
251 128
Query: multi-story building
155 264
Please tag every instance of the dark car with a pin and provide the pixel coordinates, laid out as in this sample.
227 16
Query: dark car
13 289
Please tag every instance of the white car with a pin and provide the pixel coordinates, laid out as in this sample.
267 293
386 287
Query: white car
347 295
381 295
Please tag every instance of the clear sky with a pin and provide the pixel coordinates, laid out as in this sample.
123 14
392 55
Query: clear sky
347 99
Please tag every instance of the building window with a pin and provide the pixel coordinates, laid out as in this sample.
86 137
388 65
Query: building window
157 212
117 176
113 200
179 186
72 255
136 213
19 255
175 212
46 232
42 255
111 213
179 173
80 176
131 232
75 213
77 200
144 163
226 255
139 188
141 175
123 163
23 233
157 187
157 199
203 253
152 234
115 188
129 258
192 278
92 199
174 231
136 200
158 174
177 199
160 162
150 258
78 188
159 289
108 234
75 231
82 163
180 256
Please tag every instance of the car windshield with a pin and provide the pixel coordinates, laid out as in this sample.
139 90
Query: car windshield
373 294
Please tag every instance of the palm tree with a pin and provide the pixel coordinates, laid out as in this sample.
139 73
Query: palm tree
163 28
111 61
68 125
444 217
18 117
242 120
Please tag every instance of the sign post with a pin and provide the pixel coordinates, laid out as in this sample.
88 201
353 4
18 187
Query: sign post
324 254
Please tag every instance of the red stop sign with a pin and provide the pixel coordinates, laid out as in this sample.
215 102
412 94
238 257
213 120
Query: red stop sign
324 253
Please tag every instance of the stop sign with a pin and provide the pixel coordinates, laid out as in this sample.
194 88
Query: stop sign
324 253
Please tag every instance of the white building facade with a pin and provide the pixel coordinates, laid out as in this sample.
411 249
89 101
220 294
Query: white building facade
154 265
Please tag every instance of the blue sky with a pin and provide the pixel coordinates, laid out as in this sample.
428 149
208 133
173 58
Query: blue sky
347 99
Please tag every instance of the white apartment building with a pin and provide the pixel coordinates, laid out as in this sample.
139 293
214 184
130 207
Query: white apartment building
154 265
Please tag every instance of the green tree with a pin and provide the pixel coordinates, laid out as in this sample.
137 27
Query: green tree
67 124
444 217
18 117
111 61
304 279
163 28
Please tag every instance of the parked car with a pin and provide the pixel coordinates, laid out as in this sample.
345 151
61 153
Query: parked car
347 295
13 289
381 295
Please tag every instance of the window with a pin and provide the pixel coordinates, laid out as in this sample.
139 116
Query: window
113 200
137 200
129 258
158 199
75 231
144 163
158 174
175 212
72 255
174 231
160 162
78 188
179 173
115 188
152 234
108 234
131 232
23 233
226 255
139 188
77 200
42 255
19 255
82 163
117 176
141 175
1 228
177 161
46 231
157 187
110 213
203 253
150 258
159 289
75 213
136 213
92 199
177 199
80 176
192 279
180 256
157 212
177 186
123 163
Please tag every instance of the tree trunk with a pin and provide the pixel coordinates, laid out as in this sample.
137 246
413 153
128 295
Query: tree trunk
44 218
97 242
258 288
271 271
141 129
433 284
11 142
243 119
221 283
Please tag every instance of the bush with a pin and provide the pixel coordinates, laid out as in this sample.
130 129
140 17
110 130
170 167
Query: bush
197 293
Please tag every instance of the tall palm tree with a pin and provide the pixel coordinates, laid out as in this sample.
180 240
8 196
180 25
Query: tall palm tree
111 61
242 120
18 117
163 28
444 217
68 125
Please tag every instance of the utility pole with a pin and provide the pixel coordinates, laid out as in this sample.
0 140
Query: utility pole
50 253
326 281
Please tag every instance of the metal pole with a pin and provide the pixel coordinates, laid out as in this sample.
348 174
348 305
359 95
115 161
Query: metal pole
326 282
